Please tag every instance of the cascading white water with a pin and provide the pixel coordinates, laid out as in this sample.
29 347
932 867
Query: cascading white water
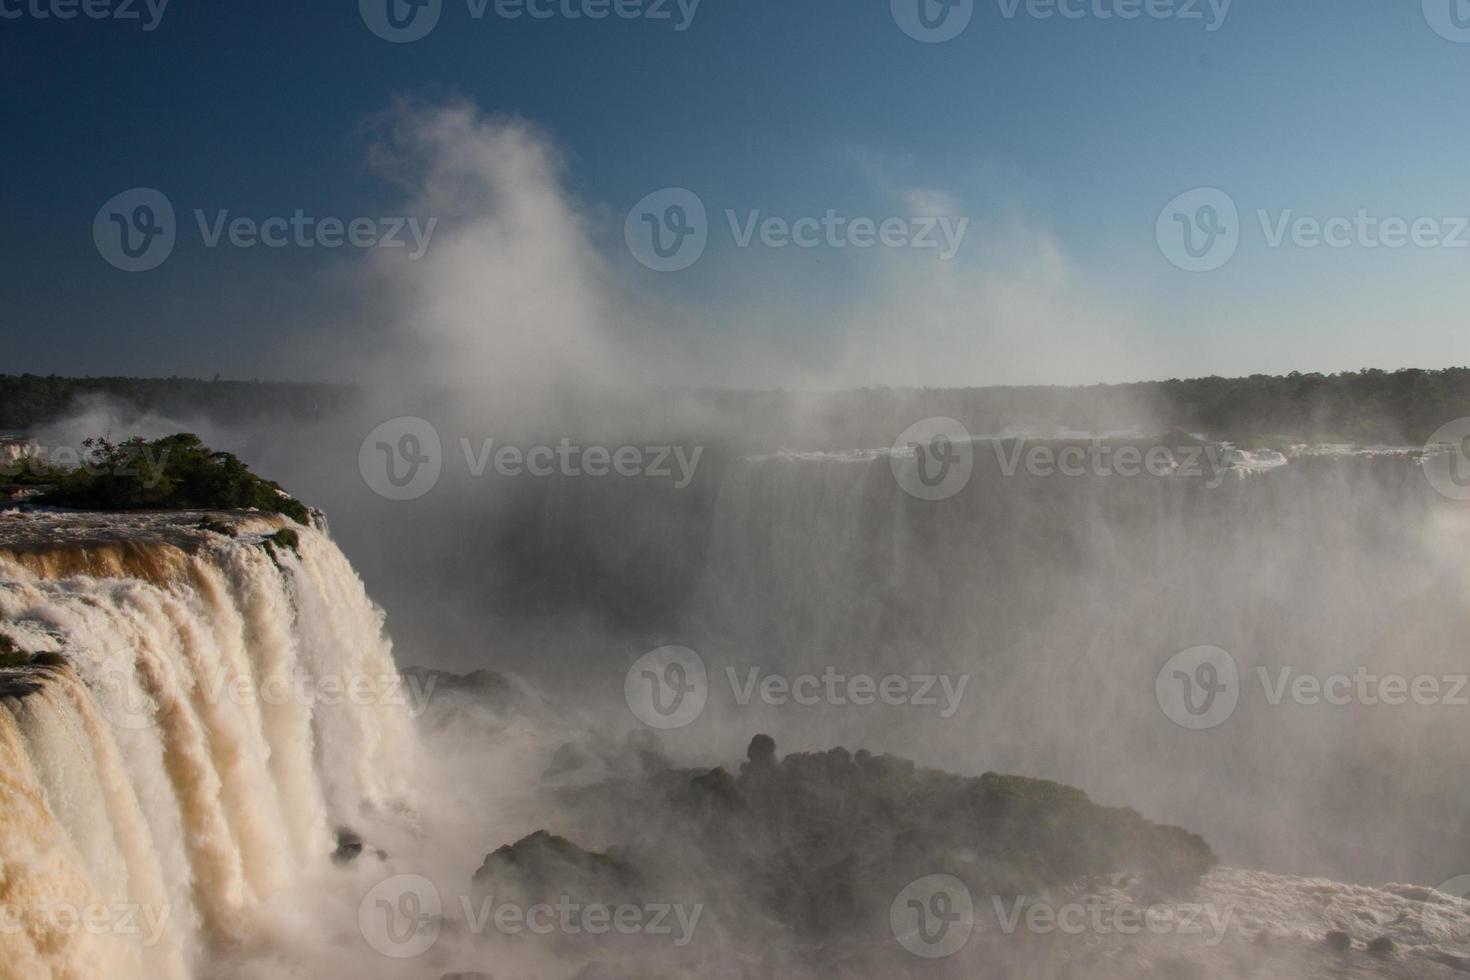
221 706
1062 597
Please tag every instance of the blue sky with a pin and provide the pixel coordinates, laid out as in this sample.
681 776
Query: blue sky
1059 140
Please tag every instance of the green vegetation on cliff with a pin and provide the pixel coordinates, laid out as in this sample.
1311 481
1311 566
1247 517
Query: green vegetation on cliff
176 472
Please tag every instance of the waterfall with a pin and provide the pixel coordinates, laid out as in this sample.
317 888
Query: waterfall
1061 598
207 709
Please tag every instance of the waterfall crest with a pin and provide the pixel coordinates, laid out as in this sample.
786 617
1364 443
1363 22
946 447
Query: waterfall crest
199 713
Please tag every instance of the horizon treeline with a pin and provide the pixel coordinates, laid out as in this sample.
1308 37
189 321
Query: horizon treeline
1368 406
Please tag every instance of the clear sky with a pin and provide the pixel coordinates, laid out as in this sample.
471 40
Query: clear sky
1057 140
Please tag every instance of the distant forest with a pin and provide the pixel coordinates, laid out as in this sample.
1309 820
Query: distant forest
29 400
1368 406
1365 407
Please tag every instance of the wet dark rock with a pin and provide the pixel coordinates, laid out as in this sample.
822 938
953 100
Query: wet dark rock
761 752
1382 946
286 539
822 841
23 674
20 686
716 790
350 847
543 867
1339 940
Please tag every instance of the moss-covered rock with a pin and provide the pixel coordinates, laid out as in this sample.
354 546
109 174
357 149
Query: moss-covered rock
286 538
